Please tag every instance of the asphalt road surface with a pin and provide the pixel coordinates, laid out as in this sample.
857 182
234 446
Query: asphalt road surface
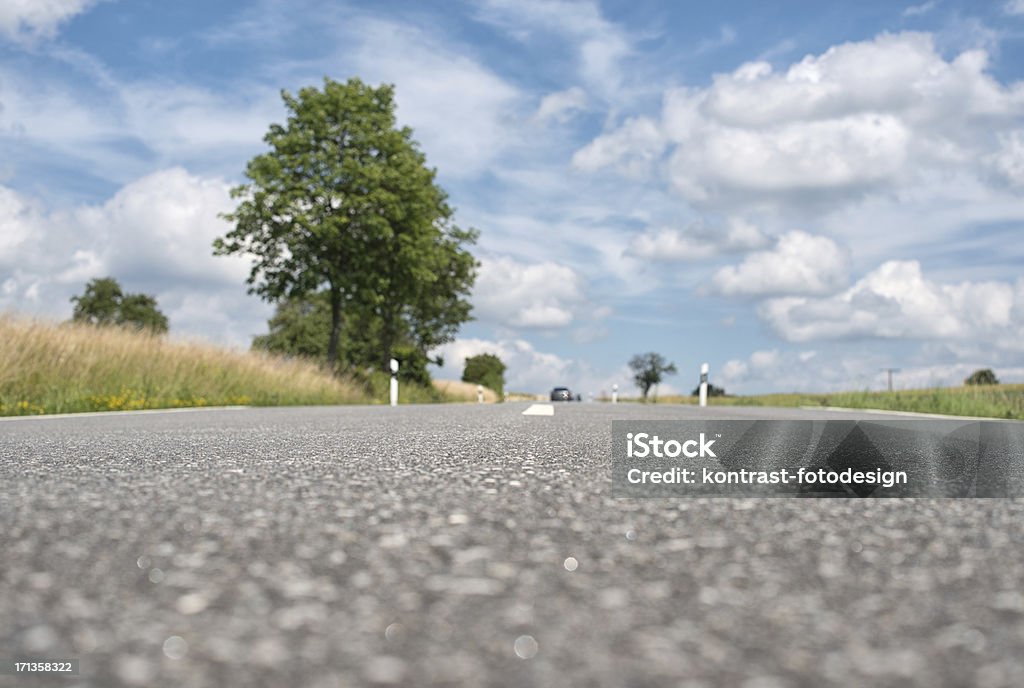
472 546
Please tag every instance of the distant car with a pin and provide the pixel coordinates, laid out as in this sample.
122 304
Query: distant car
561 394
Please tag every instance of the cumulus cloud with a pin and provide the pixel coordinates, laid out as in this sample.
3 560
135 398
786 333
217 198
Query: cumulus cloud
759 362
896 301
534 371
1008 161
633 148
528 370
26 19
799 263
154 235
527 295
699 241
859 117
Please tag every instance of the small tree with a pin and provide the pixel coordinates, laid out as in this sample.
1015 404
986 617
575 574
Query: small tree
486 370
100 303
104 303
648 370
984 376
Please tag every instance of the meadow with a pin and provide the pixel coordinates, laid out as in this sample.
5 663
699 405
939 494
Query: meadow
48 367
988 401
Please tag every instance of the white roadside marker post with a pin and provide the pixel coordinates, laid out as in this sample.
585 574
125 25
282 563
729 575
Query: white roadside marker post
615 394
479 394
394 382
704 384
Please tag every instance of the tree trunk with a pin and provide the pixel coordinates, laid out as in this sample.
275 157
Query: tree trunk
332 345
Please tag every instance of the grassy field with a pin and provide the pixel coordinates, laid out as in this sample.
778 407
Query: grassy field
994 401
51 368
458 391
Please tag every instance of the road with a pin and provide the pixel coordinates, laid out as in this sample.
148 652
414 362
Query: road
472 545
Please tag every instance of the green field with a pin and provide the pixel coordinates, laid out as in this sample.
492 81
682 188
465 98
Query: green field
65 368
989 401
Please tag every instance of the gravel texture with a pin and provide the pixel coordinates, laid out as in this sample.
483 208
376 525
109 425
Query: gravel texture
472 545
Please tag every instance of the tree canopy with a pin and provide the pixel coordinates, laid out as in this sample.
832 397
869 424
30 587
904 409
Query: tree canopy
487 370
344 205
104 303
649 369
984 376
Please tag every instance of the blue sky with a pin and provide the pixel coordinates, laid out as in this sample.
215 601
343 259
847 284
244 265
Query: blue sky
799 194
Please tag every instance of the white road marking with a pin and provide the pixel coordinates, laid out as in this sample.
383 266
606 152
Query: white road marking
138 412
540 410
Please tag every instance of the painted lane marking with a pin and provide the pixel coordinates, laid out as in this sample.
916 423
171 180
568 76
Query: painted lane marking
540 410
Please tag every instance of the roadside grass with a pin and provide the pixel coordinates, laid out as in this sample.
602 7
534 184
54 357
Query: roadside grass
458 391
65 368
525 396
989 401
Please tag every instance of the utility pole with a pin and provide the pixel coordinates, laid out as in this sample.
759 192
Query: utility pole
890 371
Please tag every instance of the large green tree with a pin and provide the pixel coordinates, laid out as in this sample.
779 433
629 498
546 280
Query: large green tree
344 203
104 303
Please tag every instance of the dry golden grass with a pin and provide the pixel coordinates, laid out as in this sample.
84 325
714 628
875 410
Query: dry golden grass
454 390
59 368
525 396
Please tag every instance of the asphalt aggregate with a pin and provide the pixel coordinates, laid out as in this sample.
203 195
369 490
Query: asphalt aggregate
466 545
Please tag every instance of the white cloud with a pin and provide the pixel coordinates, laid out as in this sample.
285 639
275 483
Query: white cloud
800 263
527 295
1014 7
860 117
1008 160
536 372
758 365
120 130
27 19
154 235
918 10
847 370
633 148
561 105
461 112
696 242
599 45
528 370
896 301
